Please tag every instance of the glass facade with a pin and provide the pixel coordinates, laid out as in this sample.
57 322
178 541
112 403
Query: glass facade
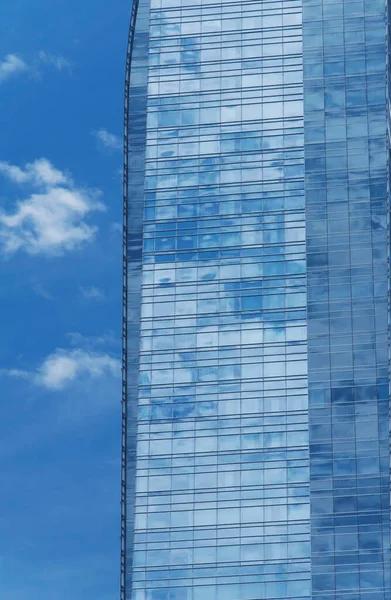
256 239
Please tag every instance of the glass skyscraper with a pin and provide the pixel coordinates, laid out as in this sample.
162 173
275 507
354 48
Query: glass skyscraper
256 285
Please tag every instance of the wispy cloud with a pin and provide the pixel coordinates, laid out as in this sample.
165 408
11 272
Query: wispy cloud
50 221
92 342
13 65
116 227
92 293
15 373
10 66
107 140
62 368
40 290
53 60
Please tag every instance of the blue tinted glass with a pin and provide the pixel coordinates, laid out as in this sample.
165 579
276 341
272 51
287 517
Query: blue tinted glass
256 302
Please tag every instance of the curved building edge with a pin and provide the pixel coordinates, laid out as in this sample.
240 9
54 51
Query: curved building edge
124 395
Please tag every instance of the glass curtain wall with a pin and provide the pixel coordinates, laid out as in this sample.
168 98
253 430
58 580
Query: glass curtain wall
256 404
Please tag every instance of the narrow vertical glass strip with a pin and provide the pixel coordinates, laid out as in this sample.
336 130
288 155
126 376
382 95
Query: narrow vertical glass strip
135 140
345 128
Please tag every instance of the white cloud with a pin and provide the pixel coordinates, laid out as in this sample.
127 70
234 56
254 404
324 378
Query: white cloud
107 139
50 220
39 172
62 367
10 66
92 293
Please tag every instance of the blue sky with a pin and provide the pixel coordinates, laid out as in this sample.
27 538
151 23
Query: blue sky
61 88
